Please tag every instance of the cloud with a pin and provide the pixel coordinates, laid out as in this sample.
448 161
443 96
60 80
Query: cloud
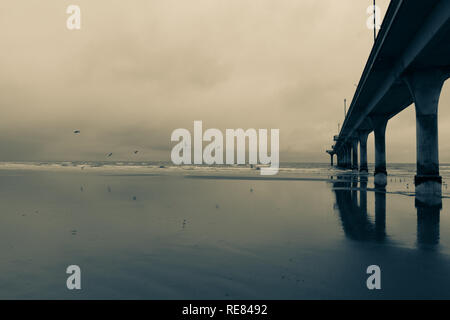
139 69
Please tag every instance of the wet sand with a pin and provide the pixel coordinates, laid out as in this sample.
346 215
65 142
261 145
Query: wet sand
162 235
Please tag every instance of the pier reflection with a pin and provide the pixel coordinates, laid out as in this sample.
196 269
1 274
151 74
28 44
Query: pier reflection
358 225
428 217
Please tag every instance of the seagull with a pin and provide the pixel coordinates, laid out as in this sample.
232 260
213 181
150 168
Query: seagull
77 131
110 154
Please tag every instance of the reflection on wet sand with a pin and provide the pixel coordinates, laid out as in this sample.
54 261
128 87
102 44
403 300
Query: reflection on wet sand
354 218
428 217
217 238
358 226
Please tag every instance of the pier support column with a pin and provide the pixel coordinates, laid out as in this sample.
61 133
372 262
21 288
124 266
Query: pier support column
425 87
344 157
354 145
363 168
331 161
380 123
349 156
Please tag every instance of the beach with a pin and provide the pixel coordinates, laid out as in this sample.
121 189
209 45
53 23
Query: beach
160 232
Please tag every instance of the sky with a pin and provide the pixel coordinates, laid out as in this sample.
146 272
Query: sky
139 69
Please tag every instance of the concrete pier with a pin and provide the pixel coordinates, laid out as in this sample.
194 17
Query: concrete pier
409 62
380 123
363 135
331 153
349 156
346 157
425 87
354 145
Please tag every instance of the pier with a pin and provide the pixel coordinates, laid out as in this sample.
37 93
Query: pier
408 65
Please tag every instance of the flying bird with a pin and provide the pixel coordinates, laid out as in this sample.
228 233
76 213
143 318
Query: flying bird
77 131
136 151
110 154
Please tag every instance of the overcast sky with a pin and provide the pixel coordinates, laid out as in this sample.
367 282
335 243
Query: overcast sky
139 69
